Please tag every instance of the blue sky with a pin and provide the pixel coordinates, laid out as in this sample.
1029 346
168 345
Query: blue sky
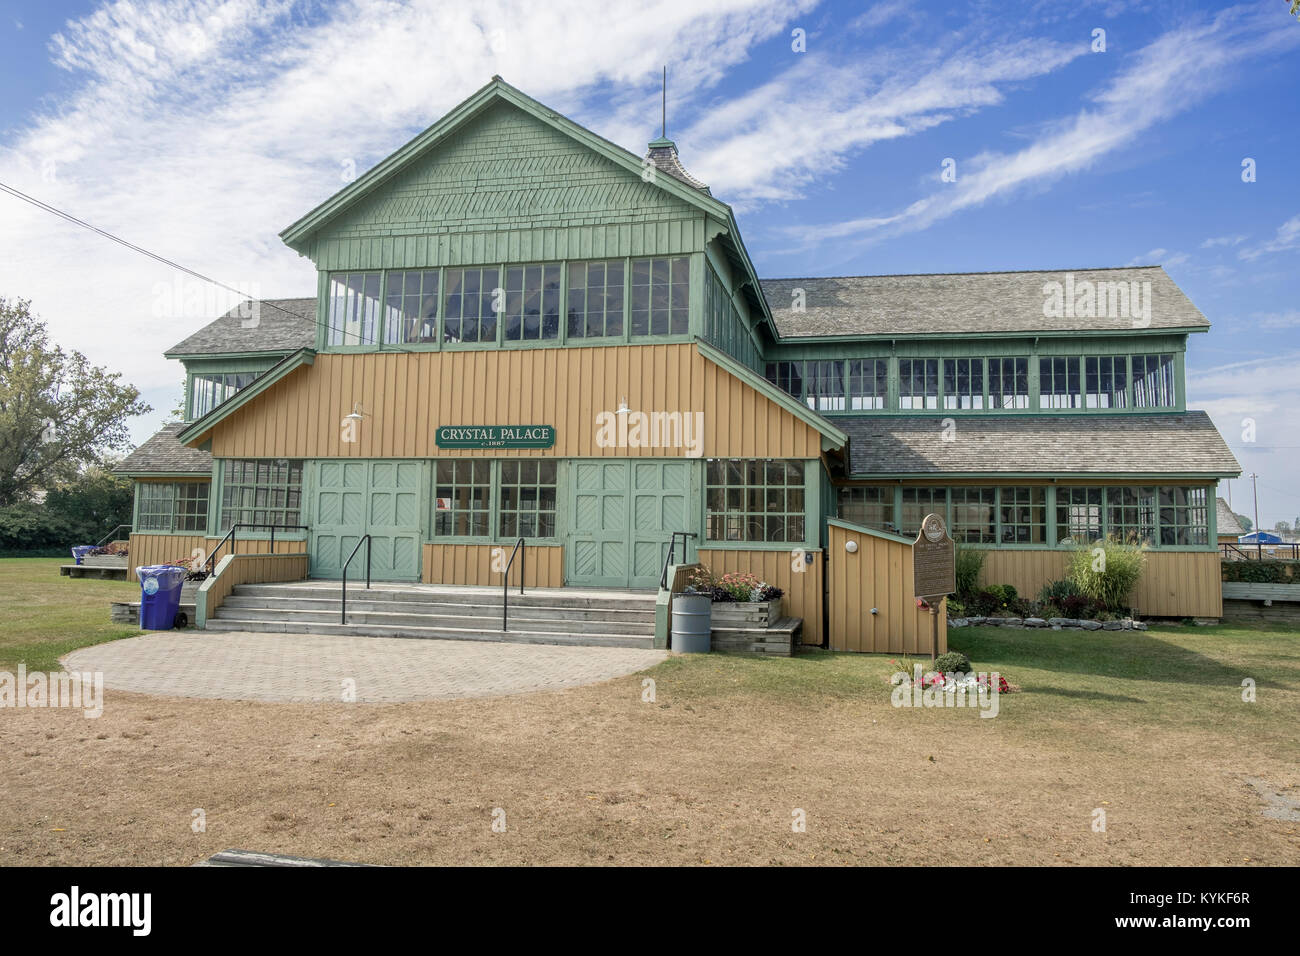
201 128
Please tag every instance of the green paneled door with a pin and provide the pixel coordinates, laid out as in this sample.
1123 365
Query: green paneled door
353 498
623 514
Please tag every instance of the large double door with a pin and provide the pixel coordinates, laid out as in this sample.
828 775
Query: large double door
355 498
623 513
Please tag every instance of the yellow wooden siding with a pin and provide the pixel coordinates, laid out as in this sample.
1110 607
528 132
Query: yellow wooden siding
472 564
803 589
406 396
150 549
1174 584
878 575
251 569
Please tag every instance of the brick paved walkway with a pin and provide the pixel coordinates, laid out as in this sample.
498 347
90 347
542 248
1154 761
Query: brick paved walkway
305 667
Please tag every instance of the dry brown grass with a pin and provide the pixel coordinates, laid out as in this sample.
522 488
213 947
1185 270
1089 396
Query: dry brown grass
709 774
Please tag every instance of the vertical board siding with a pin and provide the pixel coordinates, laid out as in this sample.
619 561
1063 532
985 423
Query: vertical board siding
803 589
471 564
407 395
878 575
151 549
1174 583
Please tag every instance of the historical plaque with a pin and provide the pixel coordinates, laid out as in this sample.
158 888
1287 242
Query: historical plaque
934 561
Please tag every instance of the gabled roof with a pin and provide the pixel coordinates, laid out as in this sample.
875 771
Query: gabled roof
496 91
163 454
281 325
277 372
1133 445
1225 520
969 303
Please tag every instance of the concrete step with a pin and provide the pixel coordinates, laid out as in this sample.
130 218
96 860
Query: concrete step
281 626
361 602
489 597
449 619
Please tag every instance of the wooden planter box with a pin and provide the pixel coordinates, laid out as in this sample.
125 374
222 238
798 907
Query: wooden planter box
746 614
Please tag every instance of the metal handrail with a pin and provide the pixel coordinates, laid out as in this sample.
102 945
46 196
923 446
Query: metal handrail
672 550
100 543
520 550
343 604
1255 550
230 536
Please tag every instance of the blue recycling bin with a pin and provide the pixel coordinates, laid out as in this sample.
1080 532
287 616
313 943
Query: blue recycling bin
81 550
160 596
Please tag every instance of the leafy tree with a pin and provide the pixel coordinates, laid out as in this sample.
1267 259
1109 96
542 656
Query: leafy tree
1246 523
1283 526
58 413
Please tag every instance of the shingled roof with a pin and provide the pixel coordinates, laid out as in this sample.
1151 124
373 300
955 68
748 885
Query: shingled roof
164 455
663 154
970 302
1225 520
282 325
1172 444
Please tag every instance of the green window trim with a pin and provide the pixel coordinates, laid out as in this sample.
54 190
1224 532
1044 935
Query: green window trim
1035 517
755 501
167 507
496 500
263 491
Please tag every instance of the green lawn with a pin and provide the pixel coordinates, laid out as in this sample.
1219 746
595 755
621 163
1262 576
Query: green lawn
44 615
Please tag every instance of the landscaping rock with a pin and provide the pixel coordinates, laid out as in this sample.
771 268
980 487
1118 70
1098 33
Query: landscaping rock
976 621
1035 622
957 622
1005 622
1090 625
1127 624
1112 625
1139 625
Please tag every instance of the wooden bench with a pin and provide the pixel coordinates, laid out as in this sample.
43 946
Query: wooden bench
91 571
775 640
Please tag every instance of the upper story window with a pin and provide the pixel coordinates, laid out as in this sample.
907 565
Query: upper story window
595 307
1058 382
1105 381
868 384
1153 381
963 383
918 384
1008 383
532 303
824 382
661 296
354 308
210 389
469 305
412 307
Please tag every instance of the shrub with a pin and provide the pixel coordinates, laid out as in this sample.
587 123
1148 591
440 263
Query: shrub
1261 572
1054 592
954 662
969 562
1107 571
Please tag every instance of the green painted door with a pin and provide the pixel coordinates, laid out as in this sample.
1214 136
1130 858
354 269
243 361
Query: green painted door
624 513
379 498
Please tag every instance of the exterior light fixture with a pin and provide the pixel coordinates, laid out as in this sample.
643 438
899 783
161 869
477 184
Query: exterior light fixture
851 547
356 414
622 407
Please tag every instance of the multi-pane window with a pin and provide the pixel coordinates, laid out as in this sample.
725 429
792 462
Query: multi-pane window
754 500
974 515
411 307
918 383
1183 516
787 376
261 491
1078 515
595 307
462 497
871 507
1153 381
919 502
210 389
172 506
1131 514
354 308
1058 382
824 384
527 501
470 302
532 303
868 384
1105 381
963 383
1009 383
661 296
1023 514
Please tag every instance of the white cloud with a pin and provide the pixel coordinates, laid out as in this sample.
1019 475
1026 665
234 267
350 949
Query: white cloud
1287 237
1166 77
1223 241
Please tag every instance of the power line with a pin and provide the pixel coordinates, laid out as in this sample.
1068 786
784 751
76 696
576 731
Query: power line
19 194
